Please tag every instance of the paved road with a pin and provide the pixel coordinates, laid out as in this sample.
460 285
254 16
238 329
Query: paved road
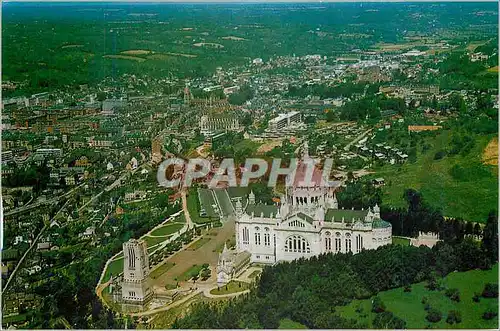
41 203
30 248
207 294
189 222
358 138
112 185
172 305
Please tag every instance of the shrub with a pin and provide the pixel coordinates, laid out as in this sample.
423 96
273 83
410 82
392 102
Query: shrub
439 155
453 294
490 314
377 305
407 289
434 282
424 300
476 296
453 317
490 290
434 315
387 320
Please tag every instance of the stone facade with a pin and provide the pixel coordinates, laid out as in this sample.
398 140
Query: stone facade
308 222
136 286
230 264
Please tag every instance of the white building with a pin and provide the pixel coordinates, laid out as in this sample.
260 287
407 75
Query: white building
257 61
211 124
136 286
230 264
284 121
308 222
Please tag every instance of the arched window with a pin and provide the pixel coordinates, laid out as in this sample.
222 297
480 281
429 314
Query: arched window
267 239
246 236
359 243
348 247
297 223
328 244
328 241
297 244
257 238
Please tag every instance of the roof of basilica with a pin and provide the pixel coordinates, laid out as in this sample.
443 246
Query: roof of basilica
347 214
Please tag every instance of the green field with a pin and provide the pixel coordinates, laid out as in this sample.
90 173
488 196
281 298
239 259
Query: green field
190 273
287 323
409 307
208 202
224 202
115 267
198 243
400 241
231 287
194 213
470 199
151 241
161 270
167 229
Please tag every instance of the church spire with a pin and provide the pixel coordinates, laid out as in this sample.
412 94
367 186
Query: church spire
251 198
239 207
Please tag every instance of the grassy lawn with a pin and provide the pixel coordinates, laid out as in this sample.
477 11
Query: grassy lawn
167 229
287 323
190 273
231 287
400 241
230 243
109 300
223 199
115 267
180 219
208 203
15 319
194 213
409 307
161 270
471 198
248 144
198 243
151 241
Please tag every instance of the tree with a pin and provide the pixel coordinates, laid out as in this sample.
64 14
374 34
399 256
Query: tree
205 274
453 294
433 315
490 290
453 317
101 96
262 192
377 305
387 320
490 314
434 282
490 236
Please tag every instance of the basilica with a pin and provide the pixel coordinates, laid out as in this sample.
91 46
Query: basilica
307 222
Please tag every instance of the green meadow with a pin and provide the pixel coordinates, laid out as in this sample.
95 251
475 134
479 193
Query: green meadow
469 191
409 307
